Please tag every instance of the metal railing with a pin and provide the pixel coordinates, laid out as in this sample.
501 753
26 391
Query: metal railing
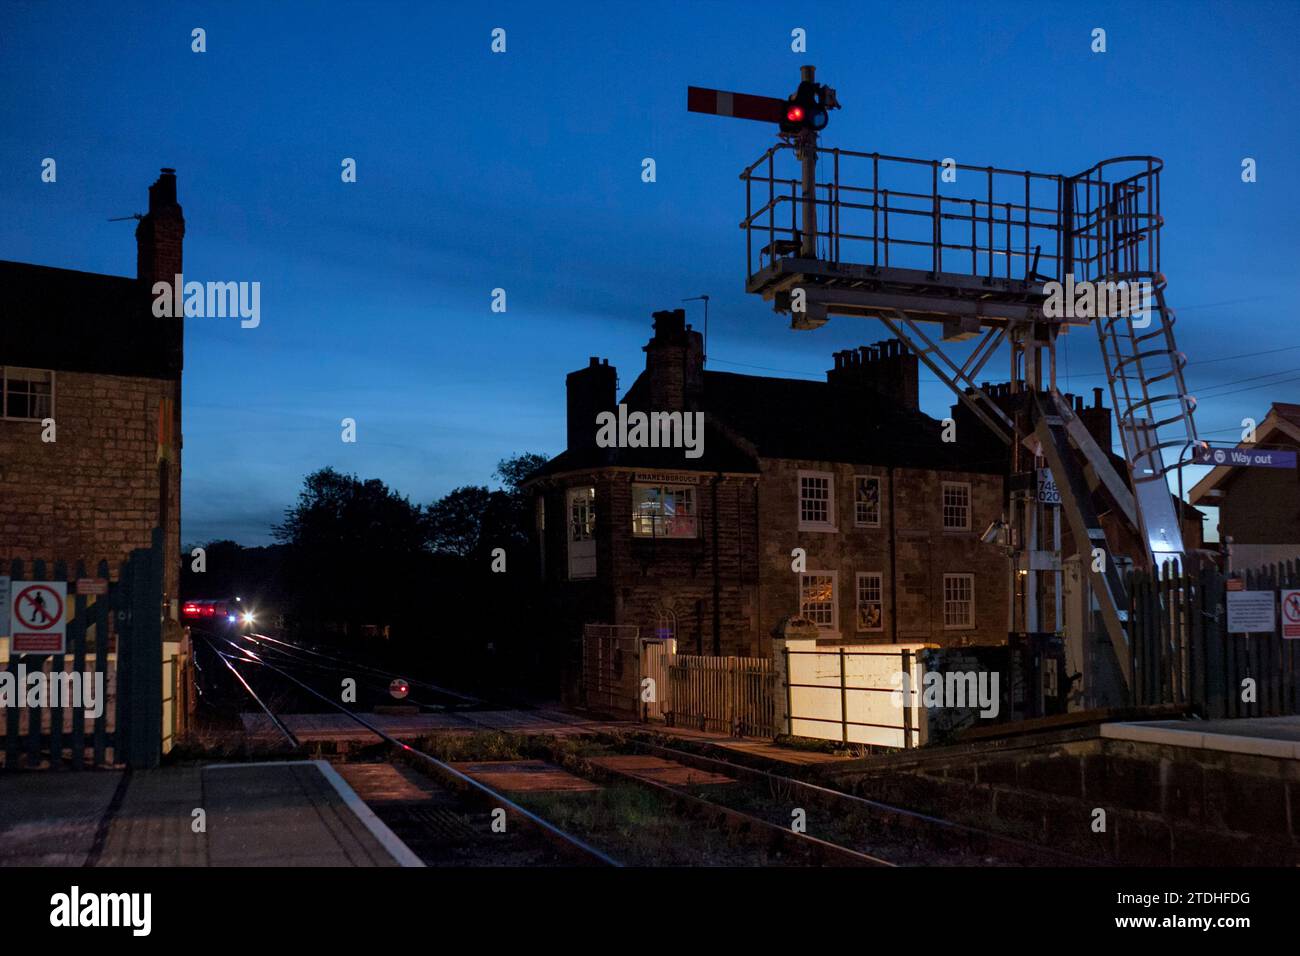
899 212
908 730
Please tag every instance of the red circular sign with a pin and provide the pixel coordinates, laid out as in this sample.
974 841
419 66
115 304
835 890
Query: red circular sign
1291 607
33 609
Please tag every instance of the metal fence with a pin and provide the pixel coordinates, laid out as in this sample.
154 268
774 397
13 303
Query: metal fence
1182 653
116 638
730 695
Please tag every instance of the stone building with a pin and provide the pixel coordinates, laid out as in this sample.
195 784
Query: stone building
90 404
839 501
1259 508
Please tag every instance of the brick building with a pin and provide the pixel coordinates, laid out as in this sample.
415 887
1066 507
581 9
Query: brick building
849 470
84 362
1259 508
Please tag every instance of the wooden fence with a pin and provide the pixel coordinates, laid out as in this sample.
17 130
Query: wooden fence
117 639
1182 653
730 695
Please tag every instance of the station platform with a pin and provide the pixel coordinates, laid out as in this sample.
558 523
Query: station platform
1256 736
287 813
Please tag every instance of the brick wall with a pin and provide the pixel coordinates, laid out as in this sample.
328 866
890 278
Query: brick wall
912 576
92 493
637 578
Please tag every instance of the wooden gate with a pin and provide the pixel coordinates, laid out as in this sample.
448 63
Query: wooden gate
1182 653
611 669
729 695
656 654
116 639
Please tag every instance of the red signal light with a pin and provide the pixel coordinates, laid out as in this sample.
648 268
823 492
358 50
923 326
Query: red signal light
794 114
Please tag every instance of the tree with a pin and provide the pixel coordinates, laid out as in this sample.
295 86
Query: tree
515 470
455 521
357 551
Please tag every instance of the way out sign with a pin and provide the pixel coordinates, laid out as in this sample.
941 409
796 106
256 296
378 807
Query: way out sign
38 617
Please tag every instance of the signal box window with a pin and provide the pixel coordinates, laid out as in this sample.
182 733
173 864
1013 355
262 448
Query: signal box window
663 511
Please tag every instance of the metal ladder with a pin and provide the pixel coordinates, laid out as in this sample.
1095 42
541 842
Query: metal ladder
1116 240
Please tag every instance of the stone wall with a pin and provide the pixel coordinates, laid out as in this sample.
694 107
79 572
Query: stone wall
93 492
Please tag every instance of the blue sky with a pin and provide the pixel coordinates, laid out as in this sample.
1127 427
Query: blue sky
522 171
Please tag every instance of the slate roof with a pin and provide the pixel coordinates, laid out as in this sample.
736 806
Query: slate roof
748 417
67 320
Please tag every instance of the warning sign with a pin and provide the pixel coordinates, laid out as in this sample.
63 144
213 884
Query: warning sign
1291 614
1251 612
38 618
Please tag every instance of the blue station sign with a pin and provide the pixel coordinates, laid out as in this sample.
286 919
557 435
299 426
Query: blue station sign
1246 457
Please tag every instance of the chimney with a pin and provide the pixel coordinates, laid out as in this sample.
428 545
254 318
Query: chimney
160 233
591 390
887 368
1097 420
674 364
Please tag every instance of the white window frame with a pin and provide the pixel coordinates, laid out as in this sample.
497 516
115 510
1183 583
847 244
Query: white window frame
4 392
880 490
814 525
969 625
581 548
943 505
664 488
880 599
834 626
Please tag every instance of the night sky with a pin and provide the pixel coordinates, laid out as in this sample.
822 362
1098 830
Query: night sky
523 171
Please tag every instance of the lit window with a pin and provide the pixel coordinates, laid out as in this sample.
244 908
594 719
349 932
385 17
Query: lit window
958 601
663 511
817 599
956 506
816 501
28 393
866 501
870 607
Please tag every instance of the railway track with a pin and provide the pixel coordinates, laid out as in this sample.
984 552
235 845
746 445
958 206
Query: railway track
677 796
902 835
451 781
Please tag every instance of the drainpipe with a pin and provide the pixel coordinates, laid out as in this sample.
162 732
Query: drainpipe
717 574
893 560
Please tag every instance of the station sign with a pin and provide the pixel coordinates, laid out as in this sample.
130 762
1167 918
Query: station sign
1252 612
38 612
1246 457
4 605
